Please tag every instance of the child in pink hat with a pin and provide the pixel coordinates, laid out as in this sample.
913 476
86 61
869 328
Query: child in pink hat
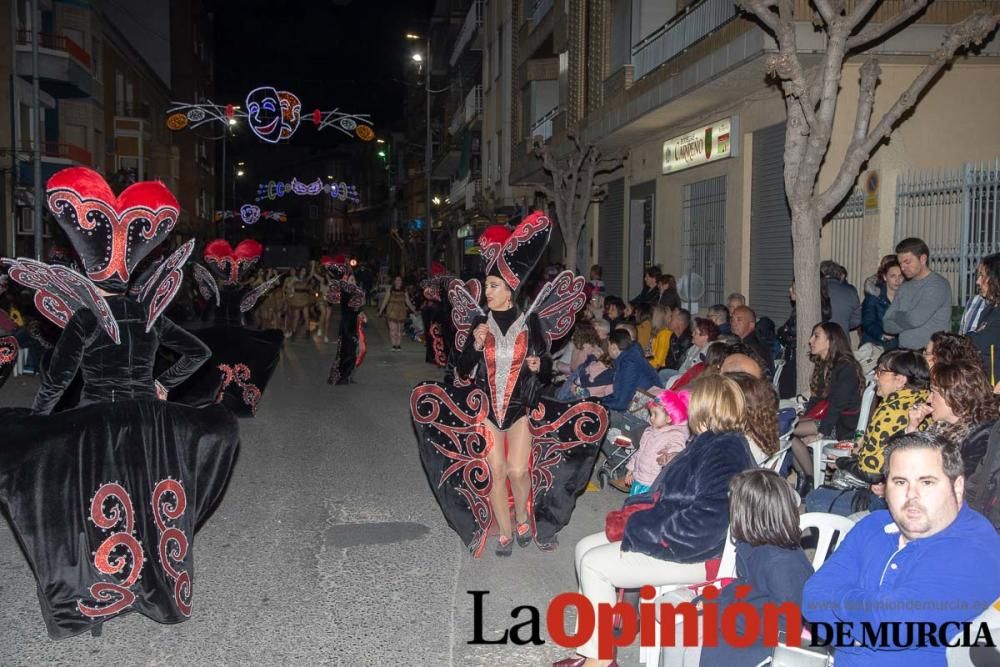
667 433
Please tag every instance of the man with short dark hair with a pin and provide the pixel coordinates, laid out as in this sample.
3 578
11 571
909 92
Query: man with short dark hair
744 325
736 300
632 371
845 306
680 340
928 559
922 305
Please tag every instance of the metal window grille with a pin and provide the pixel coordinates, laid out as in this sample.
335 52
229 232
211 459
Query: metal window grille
955 211
704 248
846 229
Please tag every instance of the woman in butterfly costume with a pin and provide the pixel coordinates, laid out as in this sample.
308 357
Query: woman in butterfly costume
352 343
550 446
243 358
105 498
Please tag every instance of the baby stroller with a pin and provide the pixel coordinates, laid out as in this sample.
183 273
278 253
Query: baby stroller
622 442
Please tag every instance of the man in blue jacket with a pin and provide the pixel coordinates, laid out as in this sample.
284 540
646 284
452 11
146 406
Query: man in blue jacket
632 371
929 560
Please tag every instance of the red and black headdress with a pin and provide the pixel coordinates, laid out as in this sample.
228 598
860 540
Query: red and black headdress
110 234
230 264
337 267
511 255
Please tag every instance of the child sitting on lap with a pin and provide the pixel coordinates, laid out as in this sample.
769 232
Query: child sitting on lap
664 439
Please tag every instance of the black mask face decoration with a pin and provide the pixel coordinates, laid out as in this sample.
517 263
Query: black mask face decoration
264 113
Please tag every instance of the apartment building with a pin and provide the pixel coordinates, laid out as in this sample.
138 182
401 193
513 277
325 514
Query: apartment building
680 88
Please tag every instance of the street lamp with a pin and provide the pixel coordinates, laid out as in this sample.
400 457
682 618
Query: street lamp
428 146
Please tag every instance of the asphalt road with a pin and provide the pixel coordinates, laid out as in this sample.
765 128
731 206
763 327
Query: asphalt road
328 548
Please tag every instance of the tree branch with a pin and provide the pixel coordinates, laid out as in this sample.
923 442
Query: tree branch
973 30
762 10
877 31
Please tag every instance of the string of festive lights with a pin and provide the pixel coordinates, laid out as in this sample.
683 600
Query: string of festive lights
250 214
272 114
276 189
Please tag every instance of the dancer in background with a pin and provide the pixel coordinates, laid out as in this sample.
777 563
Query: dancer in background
105 498
396 305
243 358
352 343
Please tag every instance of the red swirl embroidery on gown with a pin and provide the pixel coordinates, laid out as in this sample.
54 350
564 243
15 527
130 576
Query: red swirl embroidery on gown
173 545
469 442
239 374
437 344
119 556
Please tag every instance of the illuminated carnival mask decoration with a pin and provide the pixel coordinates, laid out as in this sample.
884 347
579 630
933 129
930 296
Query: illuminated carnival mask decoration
291 112
265 114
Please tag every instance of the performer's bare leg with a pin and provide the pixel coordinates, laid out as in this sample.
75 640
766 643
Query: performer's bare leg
497 461
518 454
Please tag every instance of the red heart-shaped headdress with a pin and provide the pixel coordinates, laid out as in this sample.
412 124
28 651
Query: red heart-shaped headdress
229 264
111 234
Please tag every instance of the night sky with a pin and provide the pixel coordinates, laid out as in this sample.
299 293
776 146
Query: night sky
349 54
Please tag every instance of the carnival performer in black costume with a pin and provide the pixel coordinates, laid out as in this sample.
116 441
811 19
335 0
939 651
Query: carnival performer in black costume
8 357
439 335
243 358
352 344
550 446
105 498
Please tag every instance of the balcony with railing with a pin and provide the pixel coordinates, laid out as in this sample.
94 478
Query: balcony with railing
470 36
64 67
543 126
463 190
696 22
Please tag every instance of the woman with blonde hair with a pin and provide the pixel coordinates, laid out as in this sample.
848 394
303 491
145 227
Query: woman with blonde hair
684 516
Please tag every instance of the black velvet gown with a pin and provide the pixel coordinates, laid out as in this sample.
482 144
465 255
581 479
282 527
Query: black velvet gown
242 360
350 346
499 388
105 498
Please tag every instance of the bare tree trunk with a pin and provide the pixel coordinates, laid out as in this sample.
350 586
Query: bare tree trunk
805 264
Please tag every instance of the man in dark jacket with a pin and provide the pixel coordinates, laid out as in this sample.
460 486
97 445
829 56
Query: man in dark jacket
680 342
744 325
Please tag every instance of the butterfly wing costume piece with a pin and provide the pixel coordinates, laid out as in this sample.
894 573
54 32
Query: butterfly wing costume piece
495 387
105 498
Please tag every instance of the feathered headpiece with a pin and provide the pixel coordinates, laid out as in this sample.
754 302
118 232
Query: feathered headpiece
230 264
511 255
110 234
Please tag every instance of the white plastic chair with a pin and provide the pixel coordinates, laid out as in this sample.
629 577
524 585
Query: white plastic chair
779 365
820 459
828 526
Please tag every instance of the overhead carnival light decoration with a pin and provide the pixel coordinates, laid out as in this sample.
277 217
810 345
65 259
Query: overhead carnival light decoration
276 189
273 115
250 214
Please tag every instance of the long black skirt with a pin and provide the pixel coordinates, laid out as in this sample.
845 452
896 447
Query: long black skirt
105 500
242 363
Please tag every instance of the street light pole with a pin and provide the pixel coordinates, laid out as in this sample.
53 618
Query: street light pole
36 129
428 150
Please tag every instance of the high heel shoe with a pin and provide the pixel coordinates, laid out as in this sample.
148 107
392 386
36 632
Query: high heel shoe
522 532
505 546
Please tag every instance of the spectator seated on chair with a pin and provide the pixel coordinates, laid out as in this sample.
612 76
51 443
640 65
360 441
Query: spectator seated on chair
962 409
761 429
928 559
661 442
838 382
631 370
669 541
901 381
764 524
744 325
